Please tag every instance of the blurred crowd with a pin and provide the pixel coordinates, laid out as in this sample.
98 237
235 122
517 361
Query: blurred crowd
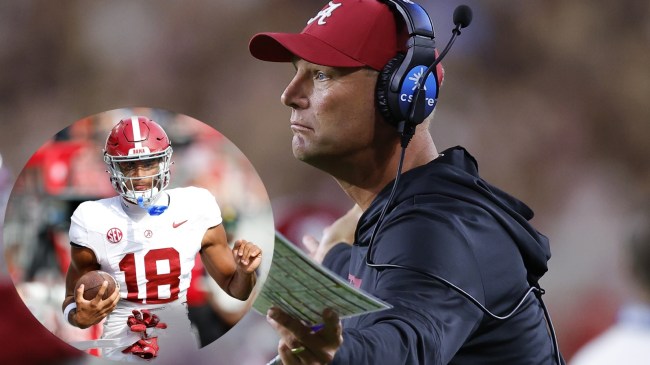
548 96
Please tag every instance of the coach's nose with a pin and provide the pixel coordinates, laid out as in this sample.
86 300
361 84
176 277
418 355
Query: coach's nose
296 94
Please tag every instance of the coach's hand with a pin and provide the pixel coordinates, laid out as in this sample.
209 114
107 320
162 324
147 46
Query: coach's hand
341 231
247 256
300 344
90 312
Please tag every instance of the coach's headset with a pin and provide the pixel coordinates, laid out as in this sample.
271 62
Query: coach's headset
406 93
398 81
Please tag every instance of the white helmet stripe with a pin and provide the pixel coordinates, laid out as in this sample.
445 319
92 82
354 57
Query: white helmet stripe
135 124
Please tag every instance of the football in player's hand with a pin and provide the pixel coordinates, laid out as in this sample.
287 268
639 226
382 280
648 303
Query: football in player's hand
93 281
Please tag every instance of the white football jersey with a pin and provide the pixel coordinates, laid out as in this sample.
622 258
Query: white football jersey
151 257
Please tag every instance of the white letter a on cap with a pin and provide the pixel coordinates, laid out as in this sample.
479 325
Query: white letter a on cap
325 13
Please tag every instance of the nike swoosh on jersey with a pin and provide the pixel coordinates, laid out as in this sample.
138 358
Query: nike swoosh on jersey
176 225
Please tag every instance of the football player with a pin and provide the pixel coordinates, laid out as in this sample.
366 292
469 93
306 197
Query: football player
147 238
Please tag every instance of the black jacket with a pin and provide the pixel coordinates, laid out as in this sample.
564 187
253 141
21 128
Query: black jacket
446 221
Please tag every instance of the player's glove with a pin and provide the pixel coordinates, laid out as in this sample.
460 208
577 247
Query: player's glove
146 348
141 320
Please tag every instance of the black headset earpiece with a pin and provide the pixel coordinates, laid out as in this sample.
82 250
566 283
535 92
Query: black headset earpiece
397 82
383 85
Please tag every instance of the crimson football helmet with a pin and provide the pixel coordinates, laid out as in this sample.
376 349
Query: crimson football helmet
138 141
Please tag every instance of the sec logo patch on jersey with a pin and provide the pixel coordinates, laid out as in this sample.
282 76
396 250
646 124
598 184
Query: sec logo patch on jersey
114 235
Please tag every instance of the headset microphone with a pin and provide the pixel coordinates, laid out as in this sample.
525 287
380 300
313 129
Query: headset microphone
462 19
462 16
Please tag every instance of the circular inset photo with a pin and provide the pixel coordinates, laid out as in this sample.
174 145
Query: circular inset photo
138 234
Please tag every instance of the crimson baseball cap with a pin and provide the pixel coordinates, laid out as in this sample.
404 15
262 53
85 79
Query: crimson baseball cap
345 33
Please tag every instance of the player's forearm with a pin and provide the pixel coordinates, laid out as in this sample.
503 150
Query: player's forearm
69 301
241 285
72 313
73 321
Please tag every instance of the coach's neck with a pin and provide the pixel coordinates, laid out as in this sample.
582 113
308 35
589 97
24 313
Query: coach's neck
365 179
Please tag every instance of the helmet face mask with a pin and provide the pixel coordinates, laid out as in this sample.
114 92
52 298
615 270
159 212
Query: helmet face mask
138 156
133 186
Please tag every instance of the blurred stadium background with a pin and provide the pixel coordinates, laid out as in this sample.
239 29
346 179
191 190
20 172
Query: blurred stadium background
548 96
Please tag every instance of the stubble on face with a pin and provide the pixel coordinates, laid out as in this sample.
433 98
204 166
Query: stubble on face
338 118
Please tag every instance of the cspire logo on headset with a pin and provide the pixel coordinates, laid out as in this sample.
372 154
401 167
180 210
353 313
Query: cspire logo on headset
410 85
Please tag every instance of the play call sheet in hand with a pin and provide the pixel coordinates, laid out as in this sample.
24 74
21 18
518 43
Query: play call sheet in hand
302 288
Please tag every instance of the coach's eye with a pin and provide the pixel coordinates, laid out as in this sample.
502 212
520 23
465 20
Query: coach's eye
321 76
